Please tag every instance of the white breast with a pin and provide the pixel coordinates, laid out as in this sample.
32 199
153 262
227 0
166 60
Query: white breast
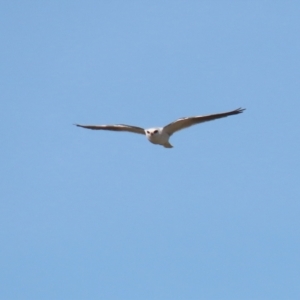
160 137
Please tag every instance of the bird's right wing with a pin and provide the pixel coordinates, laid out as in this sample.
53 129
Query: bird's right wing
117 127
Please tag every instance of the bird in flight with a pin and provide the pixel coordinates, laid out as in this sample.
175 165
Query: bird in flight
161 135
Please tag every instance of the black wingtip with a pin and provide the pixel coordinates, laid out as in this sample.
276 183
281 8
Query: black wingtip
240 110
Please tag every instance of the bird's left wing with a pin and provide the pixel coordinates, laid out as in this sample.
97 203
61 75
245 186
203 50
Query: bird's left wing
189 121
117 127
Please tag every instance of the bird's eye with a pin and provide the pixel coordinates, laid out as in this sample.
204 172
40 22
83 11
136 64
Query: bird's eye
155 131
148 131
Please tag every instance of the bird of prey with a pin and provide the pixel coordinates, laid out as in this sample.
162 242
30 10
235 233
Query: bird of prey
161 135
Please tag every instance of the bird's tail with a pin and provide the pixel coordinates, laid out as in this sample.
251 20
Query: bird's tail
168 145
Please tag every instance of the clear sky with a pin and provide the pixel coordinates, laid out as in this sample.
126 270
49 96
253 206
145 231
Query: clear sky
106 215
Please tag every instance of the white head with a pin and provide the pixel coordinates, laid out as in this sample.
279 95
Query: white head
158 136
152 132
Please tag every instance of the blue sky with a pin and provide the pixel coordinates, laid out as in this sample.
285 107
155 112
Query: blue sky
106 215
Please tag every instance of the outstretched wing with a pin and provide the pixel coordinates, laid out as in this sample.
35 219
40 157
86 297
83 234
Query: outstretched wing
189 121
117 127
